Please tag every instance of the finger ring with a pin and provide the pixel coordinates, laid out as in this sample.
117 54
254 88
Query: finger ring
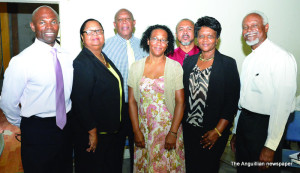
267 166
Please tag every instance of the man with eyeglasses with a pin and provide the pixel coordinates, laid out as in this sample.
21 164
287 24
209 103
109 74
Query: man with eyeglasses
267 97
123 49
185 37
36 97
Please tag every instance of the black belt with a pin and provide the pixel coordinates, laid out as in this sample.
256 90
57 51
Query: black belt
247 112
37 117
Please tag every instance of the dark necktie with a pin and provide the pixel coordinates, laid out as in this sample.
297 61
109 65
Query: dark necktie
61 117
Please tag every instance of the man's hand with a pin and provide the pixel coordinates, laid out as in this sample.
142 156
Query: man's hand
232 143
266 155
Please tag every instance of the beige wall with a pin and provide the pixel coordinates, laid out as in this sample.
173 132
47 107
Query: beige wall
283 17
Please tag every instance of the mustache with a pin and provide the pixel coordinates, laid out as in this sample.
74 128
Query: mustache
250 33
185 35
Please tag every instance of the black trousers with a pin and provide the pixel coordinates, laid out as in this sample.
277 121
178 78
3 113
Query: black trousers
197 158
251 135
126 131
106 158
45 147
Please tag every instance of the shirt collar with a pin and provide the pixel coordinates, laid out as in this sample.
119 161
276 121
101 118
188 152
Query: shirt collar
262 45
193 51
45 46
124 40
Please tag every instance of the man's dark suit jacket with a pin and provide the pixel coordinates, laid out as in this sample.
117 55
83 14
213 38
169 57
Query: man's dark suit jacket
95 94
223 90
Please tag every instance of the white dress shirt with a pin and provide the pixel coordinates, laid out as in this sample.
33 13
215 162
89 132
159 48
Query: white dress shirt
268 86
29 84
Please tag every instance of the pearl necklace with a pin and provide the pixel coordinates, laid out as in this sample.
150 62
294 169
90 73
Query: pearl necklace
205 60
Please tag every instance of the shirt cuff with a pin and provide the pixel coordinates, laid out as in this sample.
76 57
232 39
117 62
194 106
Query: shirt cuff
272 144
14 121
236 119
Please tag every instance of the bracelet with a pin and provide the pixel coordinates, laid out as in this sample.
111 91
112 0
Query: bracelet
218 132
173 133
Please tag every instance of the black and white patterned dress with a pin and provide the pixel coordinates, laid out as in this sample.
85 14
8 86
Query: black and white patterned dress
198 87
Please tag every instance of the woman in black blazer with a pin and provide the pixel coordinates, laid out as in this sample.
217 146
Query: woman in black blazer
211 87
97 98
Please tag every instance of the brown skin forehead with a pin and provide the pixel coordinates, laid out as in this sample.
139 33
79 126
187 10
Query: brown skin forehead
123 11
186 22
41 11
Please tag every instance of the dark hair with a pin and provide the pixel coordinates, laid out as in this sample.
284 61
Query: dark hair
147 34
210 22
84 24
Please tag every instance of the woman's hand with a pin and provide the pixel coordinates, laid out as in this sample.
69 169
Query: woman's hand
139 139
209 139
170 141
93 140
133 114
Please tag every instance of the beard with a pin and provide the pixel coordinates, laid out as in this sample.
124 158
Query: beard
186 43
253 42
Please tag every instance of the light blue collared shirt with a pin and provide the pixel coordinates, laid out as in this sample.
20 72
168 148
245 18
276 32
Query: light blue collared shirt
116 50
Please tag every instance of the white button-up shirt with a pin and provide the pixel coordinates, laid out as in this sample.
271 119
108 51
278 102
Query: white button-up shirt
268 86
29 84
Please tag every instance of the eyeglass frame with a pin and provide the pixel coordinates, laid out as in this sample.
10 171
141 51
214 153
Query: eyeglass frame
92 32
155 40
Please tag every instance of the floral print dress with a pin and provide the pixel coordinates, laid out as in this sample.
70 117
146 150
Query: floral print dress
155 122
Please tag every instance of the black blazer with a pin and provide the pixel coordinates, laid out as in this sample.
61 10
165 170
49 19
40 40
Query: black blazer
95 94
223 90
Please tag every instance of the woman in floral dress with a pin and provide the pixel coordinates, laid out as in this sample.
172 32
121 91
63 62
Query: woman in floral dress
156 105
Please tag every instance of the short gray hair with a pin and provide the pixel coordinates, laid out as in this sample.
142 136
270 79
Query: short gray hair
261 14
185 19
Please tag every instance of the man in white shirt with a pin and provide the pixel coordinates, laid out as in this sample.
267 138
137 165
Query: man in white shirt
267 97
36 89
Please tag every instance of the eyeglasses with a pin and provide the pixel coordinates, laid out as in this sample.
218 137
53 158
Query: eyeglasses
162 41
93 32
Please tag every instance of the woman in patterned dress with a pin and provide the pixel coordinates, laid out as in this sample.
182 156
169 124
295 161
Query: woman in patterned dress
156 105
212 87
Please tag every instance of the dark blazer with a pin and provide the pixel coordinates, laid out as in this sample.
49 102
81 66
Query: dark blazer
223 90
95 94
